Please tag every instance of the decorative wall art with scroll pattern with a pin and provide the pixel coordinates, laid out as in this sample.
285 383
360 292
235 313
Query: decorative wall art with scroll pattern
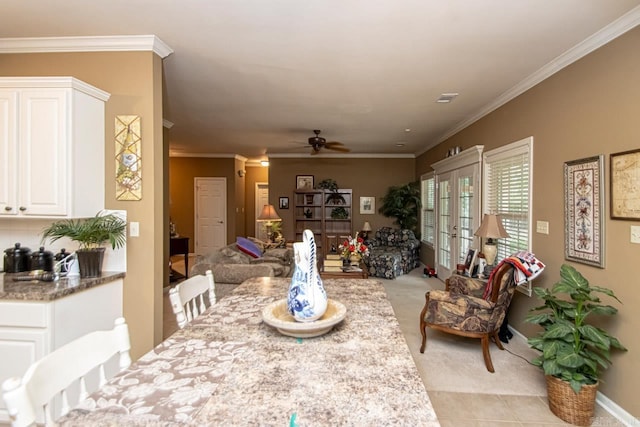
584 207
128 158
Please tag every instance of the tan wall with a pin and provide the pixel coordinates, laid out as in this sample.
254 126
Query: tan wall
134 80
182 171
254 175
281 176
587 109
366 177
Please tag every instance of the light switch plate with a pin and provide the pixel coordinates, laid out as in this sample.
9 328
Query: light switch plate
542 227
134 229
635 234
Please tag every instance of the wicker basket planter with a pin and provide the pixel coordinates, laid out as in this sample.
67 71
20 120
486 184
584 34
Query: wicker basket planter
573 408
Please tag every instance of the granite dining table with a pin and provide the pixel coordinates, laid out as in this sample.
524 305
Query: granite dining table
228 367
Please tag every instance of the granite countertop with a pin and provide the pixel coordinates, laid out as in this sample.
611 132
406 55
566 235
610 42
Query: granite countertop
228 367
48 291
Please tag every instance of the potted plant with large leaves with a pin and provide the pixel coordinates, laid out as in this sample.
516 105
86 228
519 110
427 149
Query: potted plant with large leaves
403 203
92 234
573 351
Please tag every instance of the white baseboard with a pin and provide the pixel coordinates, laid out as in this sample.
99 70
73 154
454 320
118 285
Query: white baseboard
607 404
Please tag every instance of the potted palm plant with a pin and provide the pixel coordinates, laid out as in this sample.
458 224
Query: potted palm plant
403 203
573 352
91 234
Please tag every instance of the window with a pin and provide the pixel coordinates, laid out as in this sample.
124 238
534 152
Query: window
507 192
428 198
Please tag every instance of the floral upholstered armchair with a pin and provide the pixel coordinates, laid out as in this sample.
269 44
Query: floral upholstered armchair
392 252
470 308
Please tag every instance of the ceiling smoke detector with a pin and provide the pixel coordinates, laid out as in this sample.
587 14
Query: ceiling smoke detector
445 98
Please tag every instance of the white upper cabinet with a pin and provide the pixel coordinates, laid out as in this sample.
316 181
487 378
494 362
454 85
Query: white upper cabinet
51 147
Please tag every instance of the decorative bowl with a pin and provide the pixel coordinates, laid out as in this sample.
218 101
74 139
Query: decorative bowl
277 316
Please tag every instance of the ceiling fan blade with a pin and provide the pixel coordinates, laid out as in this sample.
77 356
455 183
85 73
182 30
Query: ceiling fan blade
338 148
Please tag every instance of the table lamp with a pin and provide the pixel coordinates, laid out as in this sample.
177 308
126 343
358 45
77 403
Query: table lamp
269 215
366 228
491 228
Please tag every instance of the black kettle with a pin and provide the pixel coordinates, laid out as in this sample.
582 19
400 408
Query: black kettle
41 260
16 259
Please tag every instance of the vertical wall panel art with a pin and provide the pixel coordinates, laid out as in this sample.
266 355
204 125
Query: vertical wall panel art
128 159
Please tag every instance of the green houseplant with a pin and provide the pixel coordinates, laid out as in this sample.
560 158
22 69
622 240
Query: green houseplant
91 234
334 197
403 203
572 350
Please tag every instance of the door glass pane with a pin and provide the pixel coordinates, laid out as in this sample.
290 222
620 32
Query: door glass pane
444 227
465 216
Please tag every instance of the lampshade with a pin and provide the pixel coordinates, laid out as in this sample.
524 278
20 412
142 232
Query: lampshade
366 226
268 214
491 227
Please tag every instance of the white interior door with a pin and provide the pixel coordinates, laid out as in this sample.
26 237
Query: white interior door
210 198
262 198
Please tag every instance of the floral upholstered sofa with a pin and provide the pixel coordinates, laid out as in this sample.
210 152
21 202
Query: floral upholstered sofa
393 252
244 259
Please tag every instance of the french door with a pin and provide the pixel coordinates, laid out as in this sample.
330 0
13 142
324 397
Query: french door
457 207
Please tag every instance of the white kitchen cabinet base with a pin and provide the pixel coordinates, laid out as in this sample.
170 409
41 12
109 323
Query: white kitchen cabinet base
31 329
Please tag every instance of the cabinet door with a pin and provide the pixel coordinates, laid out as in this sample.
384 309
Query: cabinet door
19 347
44 151
8 146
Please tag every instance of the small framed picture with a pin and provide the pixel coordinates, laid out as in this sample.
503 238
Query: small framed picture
367 205
469 261
625 193
284 203
304 182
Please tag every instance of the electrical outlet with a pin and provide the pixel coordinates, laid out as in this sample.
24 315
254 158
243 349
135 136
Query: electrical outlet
134 229
635 234
542 227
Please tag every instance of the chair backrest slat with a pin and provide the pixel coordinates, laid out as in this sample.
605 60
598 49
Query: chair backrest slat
188 297
50 376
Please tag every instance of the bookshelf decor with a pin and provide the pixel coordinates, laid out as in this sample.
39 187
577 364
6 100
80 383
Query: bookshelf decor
331 223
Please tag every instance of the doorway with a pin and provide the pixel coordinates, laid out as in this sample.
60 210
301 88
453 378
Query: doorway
210 198
262 198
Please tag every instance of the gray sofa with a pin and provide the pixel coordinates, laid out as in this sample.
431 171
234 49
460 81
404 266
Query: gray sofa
232 266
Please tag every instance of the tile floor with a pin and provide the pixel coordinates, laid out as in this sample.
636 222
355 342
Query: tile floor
471 409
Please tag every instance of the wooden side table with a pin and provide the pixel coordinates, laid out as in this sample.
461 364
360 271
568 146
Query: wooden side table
177 246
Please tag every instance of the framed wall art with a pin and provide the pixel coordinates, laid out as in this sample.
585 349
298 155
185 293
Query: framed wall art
128 158
584 208
367 205
625 191
304 182
284 203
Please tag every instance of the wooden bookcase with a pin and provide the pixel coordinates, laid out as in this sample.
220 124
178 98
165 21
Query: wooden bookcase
328 214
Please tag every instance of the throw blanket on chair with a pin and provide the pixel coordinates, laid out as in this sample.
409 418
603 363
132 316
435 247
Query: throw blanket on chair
526 268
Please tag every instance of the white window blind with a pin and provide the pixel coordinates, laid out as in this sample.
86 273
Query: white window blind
508 192
428 191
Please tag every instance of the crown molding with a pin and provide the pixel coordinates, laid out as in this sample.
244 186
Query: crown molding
341 156
86 44
56 82
205 155
612 31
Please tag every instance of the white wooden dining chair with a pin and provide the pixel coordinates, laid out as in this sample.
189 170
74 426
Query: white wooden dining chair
31 398
188 297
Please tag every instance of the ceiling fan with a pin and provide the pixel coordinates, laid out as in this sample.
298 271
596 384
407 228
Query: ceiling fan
317 143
